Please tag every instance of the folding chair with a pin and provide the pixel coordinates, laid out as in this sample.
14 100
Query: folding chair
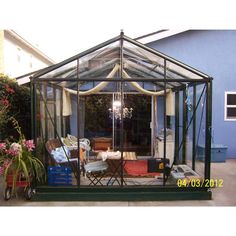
95 171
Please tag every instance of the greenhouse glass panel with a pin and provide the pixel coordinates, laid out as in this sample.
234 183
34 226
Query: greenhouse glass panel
178 72
125 118
99 63
142 61
65 71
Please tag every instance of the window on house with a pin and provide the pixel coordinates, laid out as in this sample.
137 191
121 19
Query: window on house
18 55
31 61
230 106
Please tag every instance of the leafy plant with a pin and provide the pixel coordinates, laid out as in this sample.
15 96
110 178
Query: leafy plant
6 93
14 102
16 159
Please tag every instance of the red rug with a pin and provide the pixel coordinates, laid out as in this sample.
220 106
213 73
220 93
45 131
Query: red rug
138 168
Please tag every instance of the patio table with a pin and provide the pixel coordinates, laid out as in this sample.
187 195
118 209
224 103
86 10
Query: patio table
115 164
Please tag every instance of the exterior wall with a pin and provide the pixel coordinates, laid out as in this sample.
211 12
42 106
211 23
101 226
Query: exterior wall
16 60
1 52
212 52
18 57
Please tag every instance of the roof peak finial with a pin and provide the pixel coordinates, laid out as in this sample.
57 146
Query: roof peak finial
121 32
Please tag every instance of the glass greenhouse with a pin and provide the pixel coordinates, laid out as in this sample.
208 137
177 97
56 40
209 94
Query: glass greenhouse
128 122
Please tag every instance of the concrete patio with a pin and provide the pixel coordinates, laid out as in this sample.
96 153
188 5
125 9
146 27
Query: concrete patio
224 196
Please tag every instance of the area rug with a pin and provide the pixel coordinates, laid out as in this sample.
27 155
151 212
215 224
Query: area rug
138 168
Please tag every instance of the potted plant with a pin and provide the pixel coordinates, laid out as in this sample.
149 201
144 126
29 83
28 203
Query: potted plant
18 165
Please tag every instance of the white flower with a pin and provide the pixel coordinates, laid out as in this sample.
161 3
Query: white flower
16 147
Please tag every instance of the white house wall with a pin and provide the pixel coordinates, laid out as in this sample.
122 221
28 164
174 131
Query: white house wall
18 60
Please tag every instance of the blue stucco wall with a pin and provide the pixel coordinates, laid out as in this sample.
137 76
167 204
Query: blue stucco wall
214 53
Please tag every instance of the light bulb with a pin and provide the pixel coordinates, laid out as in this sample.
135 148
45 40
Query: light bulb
116 104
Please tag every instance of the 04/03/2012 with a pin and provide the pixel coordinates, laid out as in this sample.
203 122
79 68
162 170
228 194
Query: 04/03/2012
198 183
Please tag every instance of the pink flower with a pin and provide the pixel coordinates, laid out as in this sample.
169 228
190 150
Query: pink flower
2 146
29 144
9 89
12 152
5 102
15 149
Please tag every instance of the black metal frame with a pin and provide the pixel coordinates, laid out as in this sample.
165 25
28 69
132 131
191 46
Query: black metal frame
78 126
122 106
39 77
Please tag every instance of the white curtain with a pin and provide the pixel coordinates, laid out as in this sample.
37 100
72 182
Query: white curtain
170 104
97 88
138 88
102 85
67 110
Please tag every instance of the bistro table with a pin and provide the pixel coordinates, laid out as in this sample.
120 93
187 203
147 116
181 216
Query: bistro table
115 164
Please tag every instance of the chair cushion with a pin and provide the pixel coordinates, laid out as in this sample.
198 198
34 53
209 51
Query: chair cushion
61 154
73 139
96 166
66 141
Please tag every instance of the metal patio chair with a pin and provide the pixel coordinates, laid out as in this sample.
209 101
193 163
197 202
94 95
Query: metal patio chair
95 171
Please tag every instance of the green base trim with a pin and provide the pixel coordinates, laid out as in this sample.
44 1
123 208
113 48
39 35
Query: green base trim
118 194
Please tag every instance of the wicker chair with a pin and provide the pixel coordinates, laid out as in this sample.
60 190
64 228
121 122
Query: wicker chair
52 144
72 161
93 170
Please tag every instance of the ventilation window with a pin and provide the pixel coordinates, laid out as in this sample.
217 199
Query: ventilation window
230 106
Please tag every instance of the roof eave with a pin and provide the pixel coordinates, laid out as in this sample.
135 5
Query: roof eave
161 34
29 45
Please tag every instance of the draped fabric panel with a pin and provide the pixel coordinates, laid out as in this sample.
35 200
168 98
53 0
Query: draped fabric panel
67 110
102 85
97 88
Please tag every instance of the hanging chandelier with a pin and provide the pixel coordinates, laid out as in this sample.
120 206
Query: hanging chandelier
116 112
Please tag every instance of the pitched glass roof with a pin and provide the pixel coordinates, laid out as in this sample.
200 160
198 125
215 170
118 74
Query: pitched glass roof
120 58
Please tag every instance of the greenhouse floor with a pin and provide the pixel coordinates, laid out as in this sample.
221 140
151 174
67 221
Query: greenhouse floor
221 196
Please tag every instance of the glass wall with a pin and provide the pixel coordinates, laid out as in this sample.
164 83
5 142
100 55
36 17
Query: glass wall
123 115
129 142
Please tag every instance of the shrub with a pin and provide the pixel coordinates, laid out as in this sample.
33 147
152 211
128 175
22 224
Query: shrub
14 102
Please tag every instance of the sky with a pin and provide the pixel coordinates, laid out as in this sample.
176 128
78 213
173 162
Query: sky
64 28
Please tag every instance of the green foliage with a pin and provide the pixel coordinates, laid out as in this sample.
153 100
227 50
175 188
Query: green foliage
17 159
14 102
97 113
